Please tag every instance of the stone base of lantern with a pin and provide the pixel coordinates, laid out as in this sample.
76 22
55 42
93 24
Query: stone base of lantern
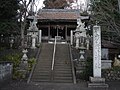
97 82
33 47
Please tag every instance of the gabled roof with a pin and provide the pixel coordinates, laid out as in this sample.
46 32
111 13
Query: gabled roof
59 14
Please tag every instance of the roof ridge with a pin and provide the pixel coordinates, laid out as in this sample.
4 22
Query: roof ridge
59 10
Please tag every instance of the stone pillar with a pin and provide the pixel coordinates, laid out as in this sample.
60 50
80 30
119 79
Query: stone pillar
71 37
33 41
96 51
39 36
96 80
77 35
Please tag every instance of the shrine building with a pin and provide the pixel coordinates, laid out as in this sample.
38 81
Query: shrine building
57 22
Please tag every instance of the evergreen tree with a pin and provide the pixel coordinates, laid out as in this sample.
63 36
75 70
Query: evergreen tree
8 16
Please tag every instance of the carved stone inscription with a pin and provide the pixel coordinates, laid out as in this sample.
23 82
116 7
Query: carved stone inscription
96 51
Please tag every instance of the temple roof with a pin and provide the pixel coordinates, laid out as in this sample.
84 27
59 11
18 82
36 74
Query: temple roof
57 14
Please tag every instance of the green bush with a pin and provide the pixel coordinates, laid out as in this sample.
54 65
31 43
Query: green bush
31 62
88 70
16 60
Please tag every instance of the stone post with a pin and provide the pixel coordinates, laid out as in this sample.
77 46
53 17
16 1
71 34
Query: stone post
71 37
39 36
77 35
33 41
96 51
96 80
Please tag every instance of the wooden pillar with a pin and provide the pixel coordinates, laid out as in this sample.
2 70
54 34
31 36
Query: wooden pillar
48 32
66 32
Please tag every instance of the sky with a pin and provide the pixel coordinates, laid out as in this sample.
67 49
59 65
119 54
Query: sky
39 3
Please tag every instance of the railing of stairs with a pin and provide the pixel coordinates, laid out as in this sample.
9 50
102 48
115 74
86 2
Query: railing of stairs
37 56
53 61
72 64
53 58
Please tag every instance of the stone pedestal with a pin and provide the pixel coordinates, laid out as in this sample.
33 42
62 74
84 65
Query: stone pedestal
39 36
97 82
33 41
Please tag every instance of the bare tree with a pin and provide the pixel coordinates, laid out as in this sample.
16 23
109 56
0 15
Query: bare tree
107 13
24 12
56 4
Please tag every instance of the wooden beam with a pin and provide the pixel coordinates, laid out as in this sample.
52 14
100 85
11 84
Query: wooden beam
68 26
49 32
66 32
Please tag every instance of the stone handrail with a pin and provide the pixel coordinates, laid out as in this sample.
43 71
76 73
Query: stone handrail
72 64
37 56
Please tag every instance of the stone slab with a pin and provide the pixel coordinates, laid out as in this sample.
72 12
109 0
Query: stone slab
97 82
96 85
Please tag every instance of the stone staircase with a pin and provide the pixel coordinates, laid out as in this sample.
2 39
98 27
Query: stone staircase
42 71
62 67
62 72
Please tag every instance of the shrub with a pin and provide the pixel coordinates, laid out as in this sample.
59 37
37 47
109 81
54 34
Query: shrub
31 62
88 71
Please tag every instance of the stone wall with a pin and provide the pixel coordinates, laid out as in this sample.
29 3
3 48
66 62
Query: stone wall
5 72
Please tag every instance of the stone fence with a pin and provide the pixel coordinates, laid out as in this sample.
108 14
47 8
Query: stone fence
5 72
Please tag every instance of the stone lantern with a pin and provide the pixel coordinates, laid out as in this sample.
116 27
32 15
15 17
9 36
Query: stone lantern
11 41
80 44
33 32
24 57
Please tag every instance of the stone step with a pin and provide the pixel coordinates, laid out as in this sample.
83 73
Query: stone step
47 63
63 75
43 65
42 71
61 64
63 81
62 72
41 76
62 78
39 80
62 69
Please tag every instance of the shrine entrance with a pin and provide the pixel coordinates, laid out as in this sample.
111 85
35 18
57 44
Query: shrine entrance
57 32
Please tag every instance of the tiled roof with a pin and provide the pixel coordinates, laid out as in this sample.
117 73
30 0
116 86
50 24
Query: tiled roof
110 44
58 14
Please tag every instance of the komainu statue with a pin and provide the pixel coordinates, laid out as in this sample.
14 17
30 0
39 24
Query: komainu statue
116 62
